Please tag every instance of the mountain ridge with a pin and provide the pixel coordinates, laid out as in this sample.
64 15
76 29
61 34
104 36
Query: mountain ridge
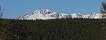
45 14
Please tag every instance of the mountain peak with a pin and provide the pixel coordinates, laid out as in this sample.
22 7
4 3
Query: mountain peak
43 11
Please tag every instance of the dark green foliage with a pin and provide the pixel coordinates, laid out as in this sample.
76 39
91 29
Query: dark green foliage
58 29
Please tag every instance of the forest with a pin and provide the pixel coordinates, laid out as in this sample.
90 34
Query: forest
56 29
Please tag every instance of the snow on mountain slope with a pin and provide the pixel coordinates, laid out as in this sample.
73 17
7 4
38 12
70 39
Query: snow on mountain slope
41 14
47 14
96 16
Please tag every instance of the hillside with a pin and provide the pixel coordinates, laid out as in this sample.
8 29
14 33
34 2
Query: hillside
57 29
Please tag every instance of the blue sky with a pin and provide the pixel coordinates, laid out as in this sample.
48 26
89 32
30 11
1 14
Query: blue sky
15 8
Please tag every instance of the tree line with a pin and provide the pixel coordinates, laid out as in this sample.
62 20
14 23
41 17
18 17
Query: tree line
58 29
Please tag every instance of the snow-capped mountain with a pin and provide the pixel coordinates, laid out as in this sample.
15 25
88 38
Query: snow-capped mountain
47 14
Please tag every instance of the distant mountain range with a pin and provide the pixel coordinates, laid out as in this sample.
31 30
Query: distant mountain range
47 14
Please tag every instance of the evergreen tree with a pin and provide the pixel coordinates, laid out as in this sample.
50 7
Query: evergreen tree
103 9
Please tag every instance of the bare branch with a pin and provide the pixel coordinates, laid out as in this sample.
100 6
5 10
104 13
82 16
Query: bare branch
1 11
0 7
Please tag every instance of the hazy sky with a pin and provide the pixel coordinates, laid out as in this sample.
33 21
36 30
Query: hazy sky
15 8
